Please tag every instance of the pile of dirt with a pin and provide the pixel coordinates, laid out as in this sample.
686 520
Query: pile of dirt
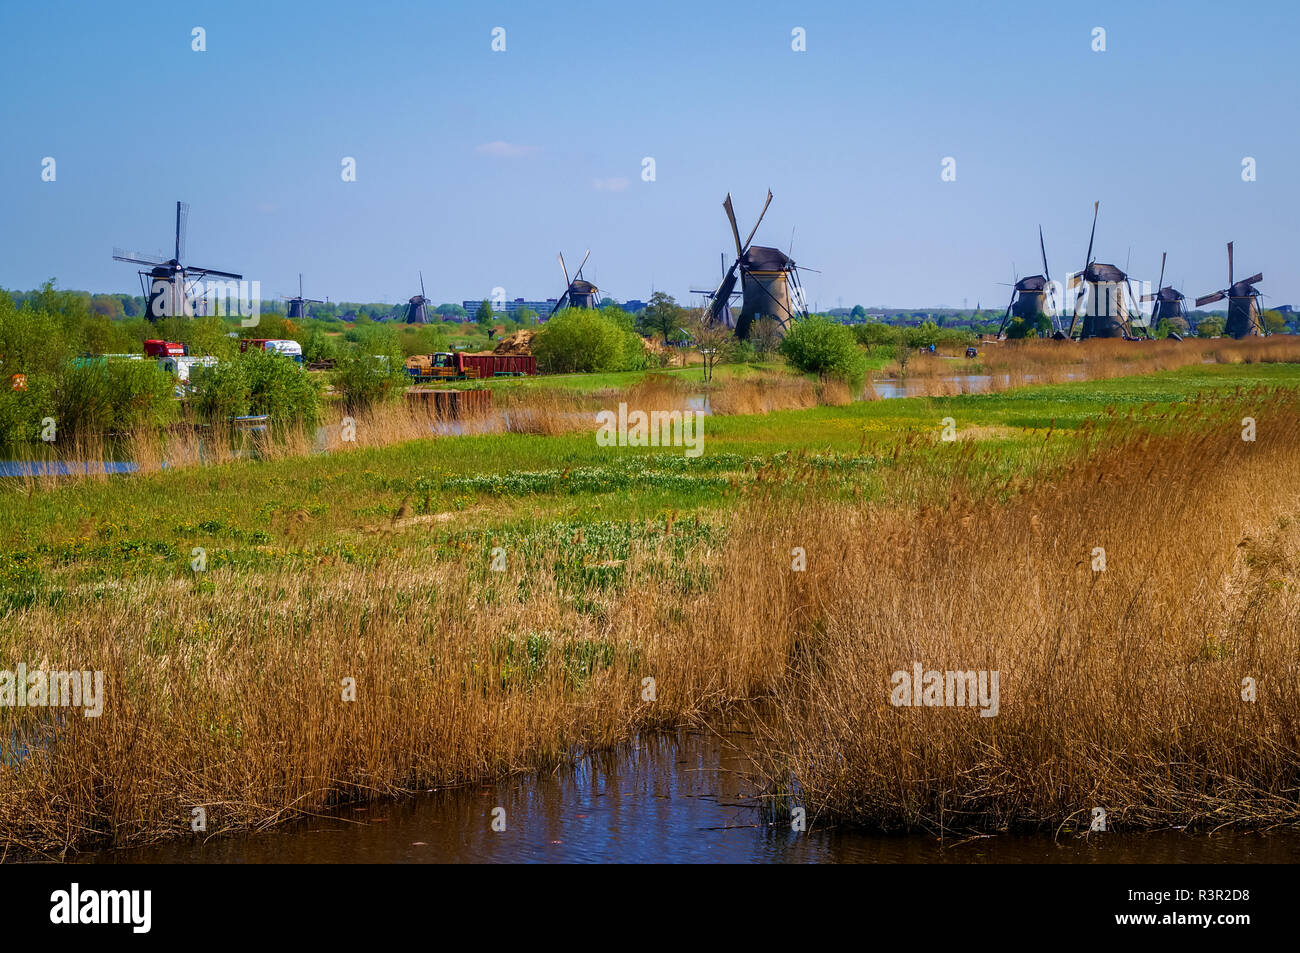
521 342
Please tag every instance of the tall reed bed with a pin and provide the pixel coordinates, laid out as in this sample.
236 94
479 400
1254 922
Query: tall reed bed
1127 602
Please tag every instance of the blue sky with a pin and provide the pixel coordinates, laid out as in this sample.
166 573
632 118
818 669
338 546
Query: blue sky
849 135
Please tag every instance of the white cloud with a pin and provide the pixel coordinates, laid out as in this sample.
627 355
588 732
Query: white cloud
505 150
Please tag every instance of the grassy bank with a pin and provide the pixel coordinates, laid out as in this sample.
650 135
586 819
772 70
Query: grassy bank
375 563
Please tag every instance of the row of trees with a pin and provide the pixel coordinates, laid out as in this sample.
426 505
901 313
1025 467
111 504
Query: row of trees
52 368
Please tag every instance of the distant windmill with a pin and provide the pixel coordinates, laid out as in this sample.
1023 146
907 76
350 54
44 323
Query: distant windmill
1168 302
417 310
1106 299
170 282
1031 296
578 292
298 305
766 278
1243 303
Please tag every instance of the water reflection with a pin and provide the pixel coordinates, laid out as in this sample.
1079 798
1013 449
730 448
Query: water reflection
681 797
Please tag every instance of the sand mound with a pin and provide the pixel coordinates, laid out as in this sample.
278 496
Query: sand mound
521 342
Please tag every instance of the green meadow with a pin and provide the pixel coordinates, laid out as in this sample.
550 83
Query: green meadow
356 504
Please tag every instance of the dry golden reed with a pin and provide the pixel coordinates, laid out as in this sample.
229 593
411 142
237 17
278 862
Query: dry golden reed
1120 689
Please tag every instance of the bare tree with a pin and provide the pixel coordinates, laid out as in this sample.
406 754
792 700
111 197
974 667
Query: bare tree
713 339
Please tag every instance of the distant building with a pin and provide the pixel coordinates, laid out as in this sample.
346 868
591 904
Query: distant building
634 306
511 308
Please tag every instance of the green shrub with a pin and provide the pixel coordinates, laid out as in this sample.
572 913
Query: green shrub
319 346
742 352
818 345
365 380
585 340
872 334
219 392
372 371
114 397
280 388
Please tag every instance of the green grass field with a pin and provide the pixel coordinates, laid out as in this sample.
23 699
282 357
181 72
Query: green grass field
253 512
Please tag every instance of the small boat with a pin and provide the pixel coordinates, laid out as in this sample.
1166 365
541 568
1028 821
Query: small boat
255 423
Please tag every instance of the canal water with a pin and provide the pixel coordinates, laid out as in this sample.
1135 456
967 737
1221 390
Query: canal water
675 797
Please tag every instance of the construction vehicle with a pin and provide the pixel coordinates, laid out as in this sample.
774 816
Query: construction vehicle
446 366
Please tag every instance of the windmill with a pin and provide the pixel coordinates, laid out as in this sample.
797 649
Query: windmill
298 305
766 277
1107 297
417 311
170 282
577 291
1031 296
1168 302
1243 303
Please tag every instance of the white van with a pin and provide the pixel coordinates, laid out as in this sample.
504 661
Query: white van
180 367
288 348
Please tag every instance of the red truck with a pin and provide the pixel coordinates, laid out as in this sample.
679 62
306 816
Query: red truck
157 348
461 366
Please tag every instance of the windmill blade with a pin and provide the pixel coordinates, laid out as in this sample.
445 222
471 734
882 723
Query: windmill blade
731 217
722 295
182 223
1076 281
213 271
760 222
421 284
567 282
560 303
1207 299
1229 264
300 284
1160 283
1255 278
313 301
137 258
578 274
1006 317
1049 294
1088 258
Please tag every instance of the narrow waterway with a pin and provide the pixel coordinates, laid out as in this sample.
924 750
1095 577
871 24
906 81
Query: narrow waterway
678 797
